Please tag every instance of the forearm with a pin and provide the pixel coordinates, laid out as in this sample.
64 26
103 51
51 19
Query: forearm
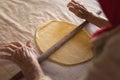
96 20
34 72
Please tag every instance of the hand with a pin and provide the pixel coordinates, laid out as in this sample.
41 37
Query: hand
78 9
24 57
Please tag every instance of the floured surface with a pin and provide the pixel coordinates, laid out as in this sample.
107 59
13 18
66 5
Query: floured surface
18 22
77 50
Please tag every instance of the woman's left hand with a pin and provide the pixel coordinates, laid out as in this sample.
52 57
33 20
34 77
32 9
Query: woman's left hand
24 57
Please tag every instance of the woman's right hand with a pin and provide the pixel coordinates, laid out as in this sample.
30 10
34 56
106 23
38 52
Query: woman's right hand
78 9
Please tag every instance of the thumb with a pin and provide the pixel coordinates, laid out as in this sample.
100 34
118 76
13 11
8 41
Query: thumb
28 44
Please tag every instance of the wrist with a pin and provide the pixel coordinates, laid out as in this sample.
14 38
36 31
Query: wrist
90 17
97 20
32 72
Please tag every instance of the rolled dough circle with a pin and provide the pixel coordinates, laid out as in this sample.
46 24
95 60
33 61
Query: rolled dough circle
75 51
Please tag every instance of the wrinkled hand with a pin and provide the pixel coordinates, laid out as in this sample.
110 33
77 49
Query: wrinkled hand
23 56
20 54
78 9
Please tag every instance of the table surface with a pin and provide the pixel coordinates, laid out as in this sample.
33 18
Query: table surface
19 20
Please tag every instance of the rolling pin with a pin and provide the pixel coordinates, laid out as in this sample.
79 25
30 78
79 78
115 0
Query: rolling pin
55 47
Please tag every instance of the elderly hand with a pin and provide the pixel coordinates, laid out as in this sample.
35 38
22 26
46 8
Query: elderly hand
78 9
24 57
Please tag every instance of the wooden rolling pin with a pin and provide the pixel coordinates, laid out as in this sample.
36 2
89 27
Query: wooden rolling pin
55 47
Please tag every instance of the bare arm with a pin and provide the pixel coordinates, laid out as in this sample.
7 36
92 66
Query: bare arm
79 10
24 57
96 20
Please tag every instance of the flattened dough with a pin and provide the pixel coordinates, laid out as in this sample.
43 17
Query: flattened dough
75 51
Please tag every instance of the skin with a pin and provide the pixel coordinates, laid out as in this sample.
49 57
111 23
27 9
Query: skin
79 10
24 55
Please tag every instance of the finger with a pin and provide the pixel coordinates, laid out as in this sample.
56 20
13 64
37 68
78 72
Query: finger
77 4
3 49
82 8
12 46
75 1
70 4
73 4
72 9
76 12
7 49
5 57
25 51
18 44
19 53
28 43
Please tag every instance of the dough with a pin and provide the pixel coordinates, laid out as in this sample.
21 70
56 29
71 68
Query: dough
75 51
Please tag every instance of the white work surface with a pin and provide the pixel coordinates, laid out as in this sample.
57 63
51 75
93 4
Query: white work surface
18 22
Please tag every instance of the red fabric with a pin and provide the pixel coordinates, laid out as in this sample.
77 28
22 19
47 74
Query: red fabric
111 9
